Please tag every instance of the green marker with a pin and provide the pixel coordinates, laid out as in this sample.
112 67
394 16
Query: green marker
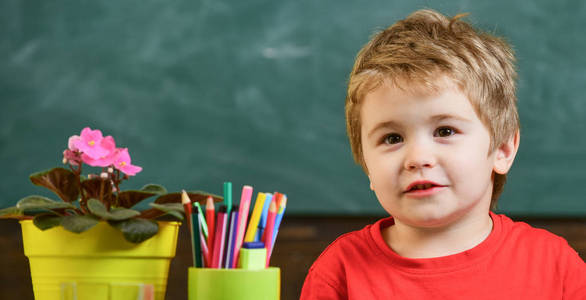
228 197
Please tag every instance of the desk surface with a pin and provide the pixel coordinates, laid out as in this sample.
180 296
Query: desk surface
300 241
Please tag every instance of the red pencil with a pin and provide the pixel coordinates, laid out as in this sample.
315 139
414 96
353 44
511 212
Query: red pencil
219 238
210 220
186 201
186 206
267 237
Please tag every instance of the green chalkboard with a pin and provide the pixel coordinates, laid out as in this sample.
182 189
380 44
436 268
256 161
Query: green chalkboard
253 91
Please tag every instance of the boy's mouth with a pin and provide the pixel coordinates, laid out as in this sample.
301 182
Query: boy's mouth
421 185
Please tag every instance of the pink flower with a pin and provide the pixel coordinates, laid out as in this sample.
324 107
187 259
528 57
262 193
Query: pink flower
90 143
72 141
122 163
71 157
107 144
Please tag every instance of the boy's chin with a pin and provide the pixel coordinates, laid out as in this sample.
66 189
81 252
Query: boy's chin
428 219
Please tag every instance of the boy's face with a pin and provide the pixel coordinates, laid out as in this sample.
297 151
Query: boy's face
427 156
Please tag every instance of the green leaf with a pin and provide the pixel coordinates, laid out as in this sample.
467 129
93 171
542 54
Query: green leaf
47 220
10 212
174 209
97 208
119 214
61 181
128 199
39 202
78 224
137 230
154 188
72 212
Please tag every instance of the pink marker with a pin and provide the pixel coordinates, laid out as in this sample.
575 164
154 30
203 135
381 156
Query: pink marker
219 238
242 219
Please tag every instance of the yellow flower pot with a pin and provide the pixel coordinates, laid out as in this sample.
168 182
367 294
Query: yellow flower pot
98 264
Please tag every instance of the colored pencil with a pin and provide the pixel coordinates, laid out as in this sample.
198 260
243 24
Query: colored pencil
196 221
245 198
255 217
219 237
231 238
211 220
187 208
263 217
270 227
205 253
279 218
202 219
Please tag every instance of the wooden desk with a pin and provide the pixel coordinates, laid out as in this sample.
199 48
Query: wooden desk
300 241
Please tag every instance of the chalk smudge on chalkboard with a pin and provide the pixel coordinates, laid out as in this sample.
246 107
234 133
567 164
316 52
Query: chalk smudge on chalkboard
286 51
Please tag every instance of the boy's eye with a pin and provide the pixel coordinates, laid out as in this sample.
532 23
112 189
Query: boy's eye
444 131
393 138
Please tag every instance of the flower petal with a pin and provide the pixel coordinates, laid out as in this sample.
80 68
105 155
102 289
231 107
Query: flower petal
130 170
71 157
91 143
72 143
122 163
109 143
100 162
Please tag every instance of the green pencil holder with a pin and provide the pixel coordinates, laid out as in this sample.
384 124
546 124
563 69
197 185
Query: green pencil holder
233 284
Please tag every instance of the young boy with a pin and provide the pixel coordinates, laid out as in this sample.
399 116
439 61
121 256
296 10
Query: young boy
432 119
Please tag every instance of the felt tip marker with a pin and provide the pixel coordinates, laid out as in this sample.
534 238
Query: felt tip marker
242 219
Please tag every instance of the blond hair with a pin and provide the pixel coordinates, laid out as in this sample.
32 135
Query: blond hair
416 50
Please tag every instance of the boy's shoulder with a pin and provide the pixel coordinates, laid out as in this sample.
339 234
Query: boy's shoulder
352 246
523 232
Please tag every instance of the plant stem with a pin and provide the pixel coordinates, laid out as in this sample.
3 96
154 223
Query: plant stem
106 203
83 199
116 184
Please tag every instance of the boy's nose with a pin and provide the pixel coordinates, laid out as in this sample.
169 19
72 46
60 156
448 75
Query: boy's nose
419 156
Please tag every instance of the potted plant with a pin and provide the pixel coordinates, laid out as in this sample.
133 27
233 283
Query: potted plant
93 242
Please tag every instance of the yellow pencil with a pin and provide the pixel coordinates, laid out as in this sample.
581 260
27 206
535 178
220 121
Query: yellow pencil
255 217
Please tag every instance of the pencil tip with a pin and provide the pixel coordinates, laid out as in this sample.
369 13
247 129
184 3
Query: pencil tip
184 197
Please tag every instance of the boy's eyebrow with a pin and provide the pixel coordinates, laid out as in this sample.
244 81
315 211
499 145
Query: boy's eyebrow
442 117
435 118
387 124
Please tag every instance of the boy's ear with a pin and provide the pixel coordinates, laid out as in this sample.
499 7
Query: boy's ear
370 182
505 154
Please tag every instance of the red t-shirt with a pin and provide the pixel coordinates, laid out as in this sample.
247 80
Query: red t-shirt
516 261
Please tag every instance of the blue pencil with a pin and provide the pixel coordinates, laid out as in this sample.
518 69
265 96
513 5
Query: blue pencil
263 217
279 217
